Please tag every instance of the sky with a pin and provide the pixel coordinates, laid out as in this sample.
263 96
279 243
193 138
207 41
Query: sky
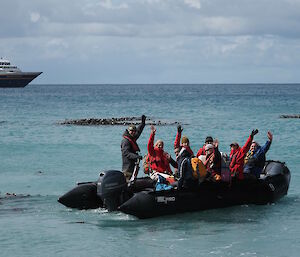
153 41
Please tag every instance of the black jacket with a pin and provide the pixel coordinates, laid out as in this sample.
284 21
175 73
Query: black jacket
186 179
129 156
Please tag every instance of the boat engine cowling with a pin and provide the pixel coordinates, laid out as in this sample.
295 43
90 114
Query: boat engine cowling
112 188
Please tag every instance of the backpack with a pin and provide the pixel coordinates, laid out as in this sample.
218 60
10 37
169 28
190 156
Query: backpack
225 172
147 164
198 169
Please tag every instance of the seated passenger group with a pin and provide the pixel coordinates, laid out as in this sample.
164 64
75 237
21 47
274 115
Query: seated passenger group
244 162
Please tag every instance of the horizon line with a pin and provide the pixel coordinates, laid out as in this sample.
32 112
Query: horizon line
250 83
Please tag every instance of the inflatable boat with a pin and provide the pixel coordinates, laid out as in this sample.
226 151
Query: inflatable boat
140 199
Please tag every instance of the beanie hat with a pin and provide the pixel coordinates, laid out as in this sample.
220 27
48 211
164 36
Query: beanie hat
184 139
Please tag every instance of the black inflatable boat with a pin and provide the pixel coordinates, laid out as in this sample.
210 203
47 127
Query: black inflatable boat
141 200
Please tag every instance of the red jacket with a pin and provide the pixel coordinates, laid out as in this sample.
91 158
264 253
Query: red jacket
237 159
177 144
158 159
201 151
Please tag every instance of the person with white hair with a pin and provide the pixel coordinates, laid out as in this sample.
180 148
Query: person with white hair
212 160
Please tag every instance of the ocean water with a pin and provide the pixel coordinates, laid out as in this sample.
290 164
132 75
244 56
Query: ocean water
41 160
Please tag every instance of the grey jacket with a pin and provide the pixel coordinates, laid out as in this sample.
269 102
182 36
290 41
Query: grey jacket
129 156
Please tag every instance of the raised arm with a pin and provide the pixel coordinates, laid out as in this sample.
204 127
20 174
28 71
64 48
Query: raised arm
264 149
140 128
248 143
150 146
178 137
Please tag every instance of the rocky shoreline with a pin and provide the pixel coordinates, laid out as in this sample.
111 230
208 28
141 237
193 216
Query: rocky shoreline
123 121
290 116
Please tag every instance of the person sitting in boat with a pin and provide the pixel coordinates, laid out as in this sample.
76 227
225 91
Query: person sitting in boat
185 143
176 152
130 148
201 151
212 161
256 157
237 156
185 172
159 159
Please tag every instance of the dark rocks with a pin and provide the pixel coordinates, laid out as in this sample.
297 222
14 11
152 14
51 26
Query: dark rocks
290 116
123 121
13 195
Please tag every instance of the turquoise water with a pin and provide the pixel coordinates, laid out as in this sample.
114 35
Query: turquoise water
41 160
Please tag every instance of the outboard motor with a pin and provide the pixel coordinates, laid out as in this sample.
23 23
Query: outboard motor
112 189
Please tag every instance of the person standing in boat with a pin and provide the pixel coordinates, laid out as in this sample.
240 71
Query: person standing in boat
237 156
159 159
256 158
130 148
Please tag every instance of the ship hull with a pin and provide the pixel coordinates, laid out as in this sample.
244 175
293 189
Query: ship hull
17 79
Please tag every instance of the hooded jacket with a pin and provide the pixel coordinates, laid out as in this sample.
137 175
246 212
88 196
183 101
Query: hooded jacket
186 179
129 149
158 159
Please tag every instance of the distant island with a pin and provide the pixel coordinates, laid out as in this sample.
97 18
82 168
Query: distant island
123 121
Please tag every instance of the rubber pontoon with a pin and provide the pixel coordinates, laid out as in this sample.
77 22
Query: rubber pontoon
141 200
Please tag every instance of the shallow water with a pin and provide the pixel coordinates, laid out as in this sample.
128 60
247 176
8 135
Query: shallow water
44 160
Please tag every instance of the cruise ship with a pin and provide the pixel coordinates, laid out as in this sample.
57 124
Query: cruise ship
12 76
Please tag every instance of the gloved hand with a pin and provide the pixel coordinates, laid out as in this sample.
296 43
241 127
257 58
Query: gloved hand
143 118
254 132
179 129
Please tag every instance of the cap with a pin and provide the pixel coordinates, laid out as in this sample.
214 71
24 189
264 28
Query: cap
209 146
209 139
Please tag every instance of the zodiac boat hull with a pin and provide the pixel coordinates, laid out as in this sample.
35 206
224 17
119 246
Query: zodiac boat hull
143 202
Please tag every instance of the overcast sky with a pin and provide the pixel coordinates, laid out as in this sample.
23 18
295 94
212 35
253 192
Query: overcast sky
153 41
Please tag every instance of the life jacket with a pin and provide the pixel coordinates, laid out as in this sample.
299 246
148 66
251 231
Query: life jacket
159 162
133 143
147 164
257 162
198 169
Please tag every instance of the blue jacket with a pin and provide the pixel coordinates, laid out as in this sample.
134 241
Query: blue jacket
256 162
